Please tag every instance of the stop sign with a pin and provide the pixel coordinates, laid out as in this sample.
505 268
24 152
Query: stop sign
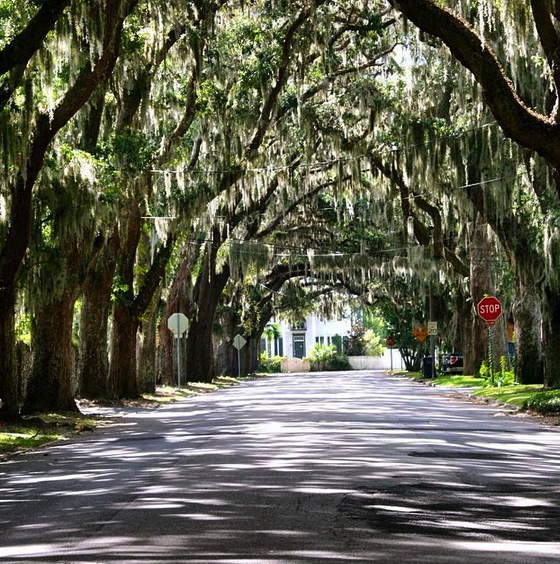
489 309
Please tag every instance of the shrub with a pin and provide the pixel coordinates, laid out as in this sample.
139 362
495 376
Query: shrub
546 403
354 344
373 344
324 357
270 364
338 362
502 377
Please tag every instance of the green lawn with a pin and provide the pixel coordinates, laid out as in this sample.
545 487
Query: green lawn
533 397
516 395
459 381
14 438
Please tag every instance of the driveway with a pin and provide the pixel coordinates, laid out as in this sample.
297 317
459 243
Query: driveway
354 467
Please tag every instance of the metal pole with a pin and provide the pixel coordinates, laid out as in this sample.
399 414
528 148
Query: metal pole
178 337
239 363
178 341
490 359
391 349
432 338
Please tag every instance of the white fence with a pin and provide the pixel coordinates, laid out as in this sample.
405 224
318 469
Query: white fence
356 362
378 362
295 365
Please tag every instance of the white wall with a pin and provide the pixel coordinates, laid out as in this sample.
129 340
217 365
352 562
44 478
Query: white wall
378 363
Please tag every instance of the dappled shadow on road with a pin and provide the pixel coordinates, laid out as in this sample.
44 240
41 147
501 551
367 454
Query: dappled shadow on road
292 470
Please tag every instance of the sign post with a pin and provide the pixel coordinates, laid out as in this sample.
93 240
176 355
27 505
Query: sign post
239 342
178 324
432 332
390 343
489 309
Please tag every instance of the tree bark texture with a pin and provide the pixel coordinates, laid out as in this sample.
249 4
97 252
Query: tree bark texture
94 321
147 371
528 322
551 339
50 386
207 295
8 376
122 373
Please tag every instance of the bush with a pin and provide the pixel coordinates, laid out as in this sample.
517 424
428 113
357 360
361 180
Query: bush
546 403
338 362
373 344
354 344
502 377
324 357
270 364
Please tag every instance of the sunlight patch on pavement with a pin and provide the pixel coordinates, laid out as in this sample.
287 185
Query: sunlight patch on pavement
529 548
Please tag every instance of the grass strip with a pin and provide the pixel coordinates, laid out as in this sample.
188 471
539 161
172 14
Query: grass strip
13 439
516 395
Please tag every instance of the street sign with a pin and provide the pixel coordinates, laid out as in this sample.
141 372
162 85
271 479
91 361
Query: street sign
489 309
239 342
178 323
420 332
432 328
390 342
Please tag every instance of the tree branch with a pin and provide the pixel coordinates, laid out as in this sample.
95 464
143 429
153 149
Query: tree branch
281 78
24 45
550 42
522 124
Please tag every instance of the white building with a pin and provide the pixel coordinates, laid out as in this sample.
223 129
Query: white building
296 341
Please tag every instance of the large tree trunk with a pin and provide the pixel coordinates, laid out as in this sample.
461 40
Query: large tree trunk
208 292
50 386
8 376
200 350
551 330
122 373
94 356
94 321
225 353
528 321
147 371
130 307
165 354
12 252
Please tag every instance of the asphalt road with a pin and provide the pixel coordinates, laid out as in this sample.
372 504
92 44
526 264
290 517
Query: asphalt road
350 468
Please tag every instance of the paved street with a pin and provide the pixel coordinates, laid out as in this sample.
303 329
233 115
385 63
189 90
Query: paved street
354 468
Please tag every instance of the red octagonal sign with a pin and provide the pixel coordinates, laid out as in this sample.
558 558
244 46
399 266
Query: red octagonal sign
489 309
